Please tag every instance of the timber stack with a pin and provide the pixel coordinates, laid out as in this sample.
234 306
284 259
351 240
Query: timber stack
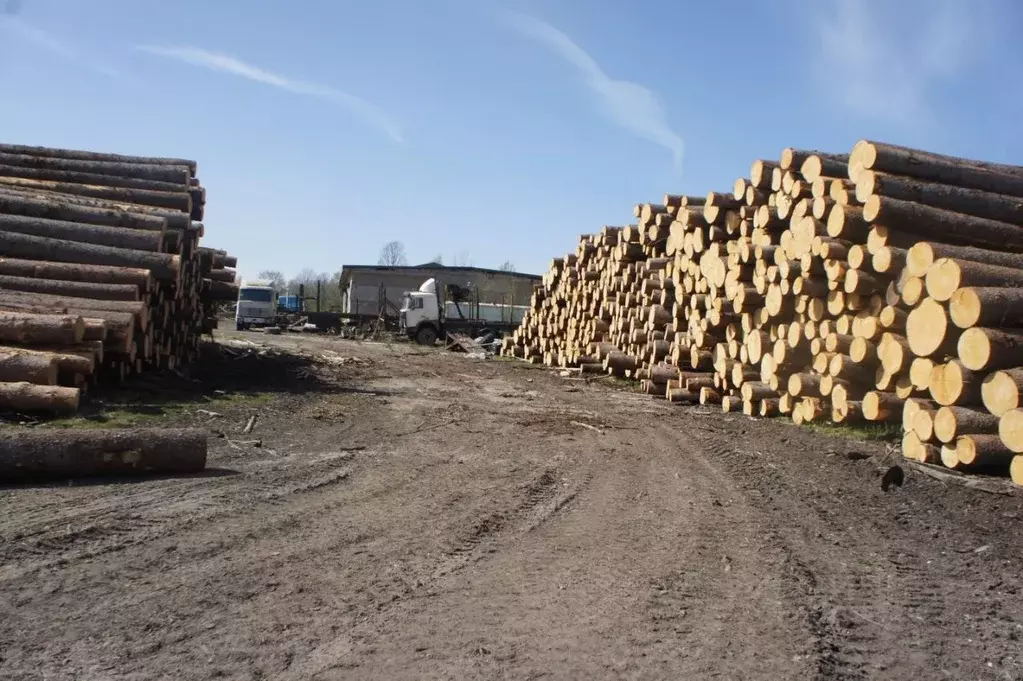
101 271
883 285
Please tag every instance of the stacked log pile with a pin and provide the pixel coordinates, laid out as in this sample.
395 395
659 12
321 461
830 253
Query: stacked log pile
882 285
101 271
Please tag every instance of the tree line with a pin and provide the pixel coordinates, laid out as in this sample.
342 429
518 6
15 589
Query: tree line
393 255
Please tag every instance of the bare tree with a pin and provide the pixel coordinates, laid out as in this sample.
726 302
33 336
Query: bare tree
275 278
393 254
439 259
461 259
507 266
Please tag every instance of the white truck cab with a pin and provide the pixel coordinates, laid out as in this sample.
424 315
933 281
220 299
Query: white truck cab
420 313
257 305
425 318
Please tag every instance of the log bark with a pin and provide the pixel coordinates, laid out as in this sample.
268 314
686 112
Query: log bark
70 288
28 397
984 349
175 219
18 365
16 327
923 254
162 265
14 204
179 201
135 307
982 452
943 225
896 160
119 325
946 276
974 202
176 175
119 237
951 422
95 274
986 306
82 453
70 359
81 155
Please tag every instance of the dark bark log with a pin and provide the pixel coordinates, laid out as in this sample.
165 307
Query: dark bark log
17 327
946 276
176 219
74 289
949 197
31 367
177 175
118 237
992 177
181 201
162 265
80 155
72 272
943 225
80 453
224 275
28 397
55 210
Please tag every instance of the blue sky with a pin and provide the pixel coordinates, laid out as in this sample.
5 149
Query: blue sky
500 130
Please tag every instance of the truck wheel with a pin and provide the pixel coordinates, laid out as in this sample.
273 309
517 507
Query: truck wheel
239 326
426 336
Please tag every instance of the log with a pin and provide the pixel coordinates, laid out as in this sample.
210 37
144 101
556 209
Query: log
74 289
946 276
896 160
82 155
923 254
220 290
1016 470
984 349
951 422
974 202
175 219
95 274
162 265
119 237
119 325
30 367
18 327
928 331
39 300
983 452
943 225
953 384
986 306
70 359
882 406
171 200
1002 391
83 453
28 397
177 175
13 202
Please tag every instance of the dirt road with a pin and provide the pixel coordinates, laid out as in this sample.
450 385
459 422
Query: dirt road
419 515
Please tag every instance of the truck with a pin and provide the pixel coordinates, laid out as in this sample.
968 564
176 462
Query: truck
260 306
257 304
424 319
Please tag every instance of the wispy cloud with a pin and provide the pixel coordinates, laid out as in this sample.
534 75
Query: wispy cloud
225 63
629 104
20 29
882 59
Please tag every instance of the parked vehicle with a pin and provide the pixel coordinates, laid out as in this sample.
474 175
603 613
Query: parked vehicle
425 319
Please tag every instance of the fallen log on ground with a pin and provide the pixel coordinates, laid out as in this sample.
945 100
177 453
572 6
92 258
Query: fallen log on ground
80 453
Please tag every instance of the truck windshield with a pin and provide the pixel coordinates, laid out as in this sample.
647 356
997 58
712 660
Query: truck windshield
255 295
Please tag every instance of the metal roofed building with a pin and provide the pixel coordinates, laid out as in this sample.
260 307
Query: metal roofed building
368 289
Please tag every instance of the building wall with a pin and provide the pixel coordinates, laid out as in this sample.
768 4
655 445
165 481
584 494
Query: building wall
364 286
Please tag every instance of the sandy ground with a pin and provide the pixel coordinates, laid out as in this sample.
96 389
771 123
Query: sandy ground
422 515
